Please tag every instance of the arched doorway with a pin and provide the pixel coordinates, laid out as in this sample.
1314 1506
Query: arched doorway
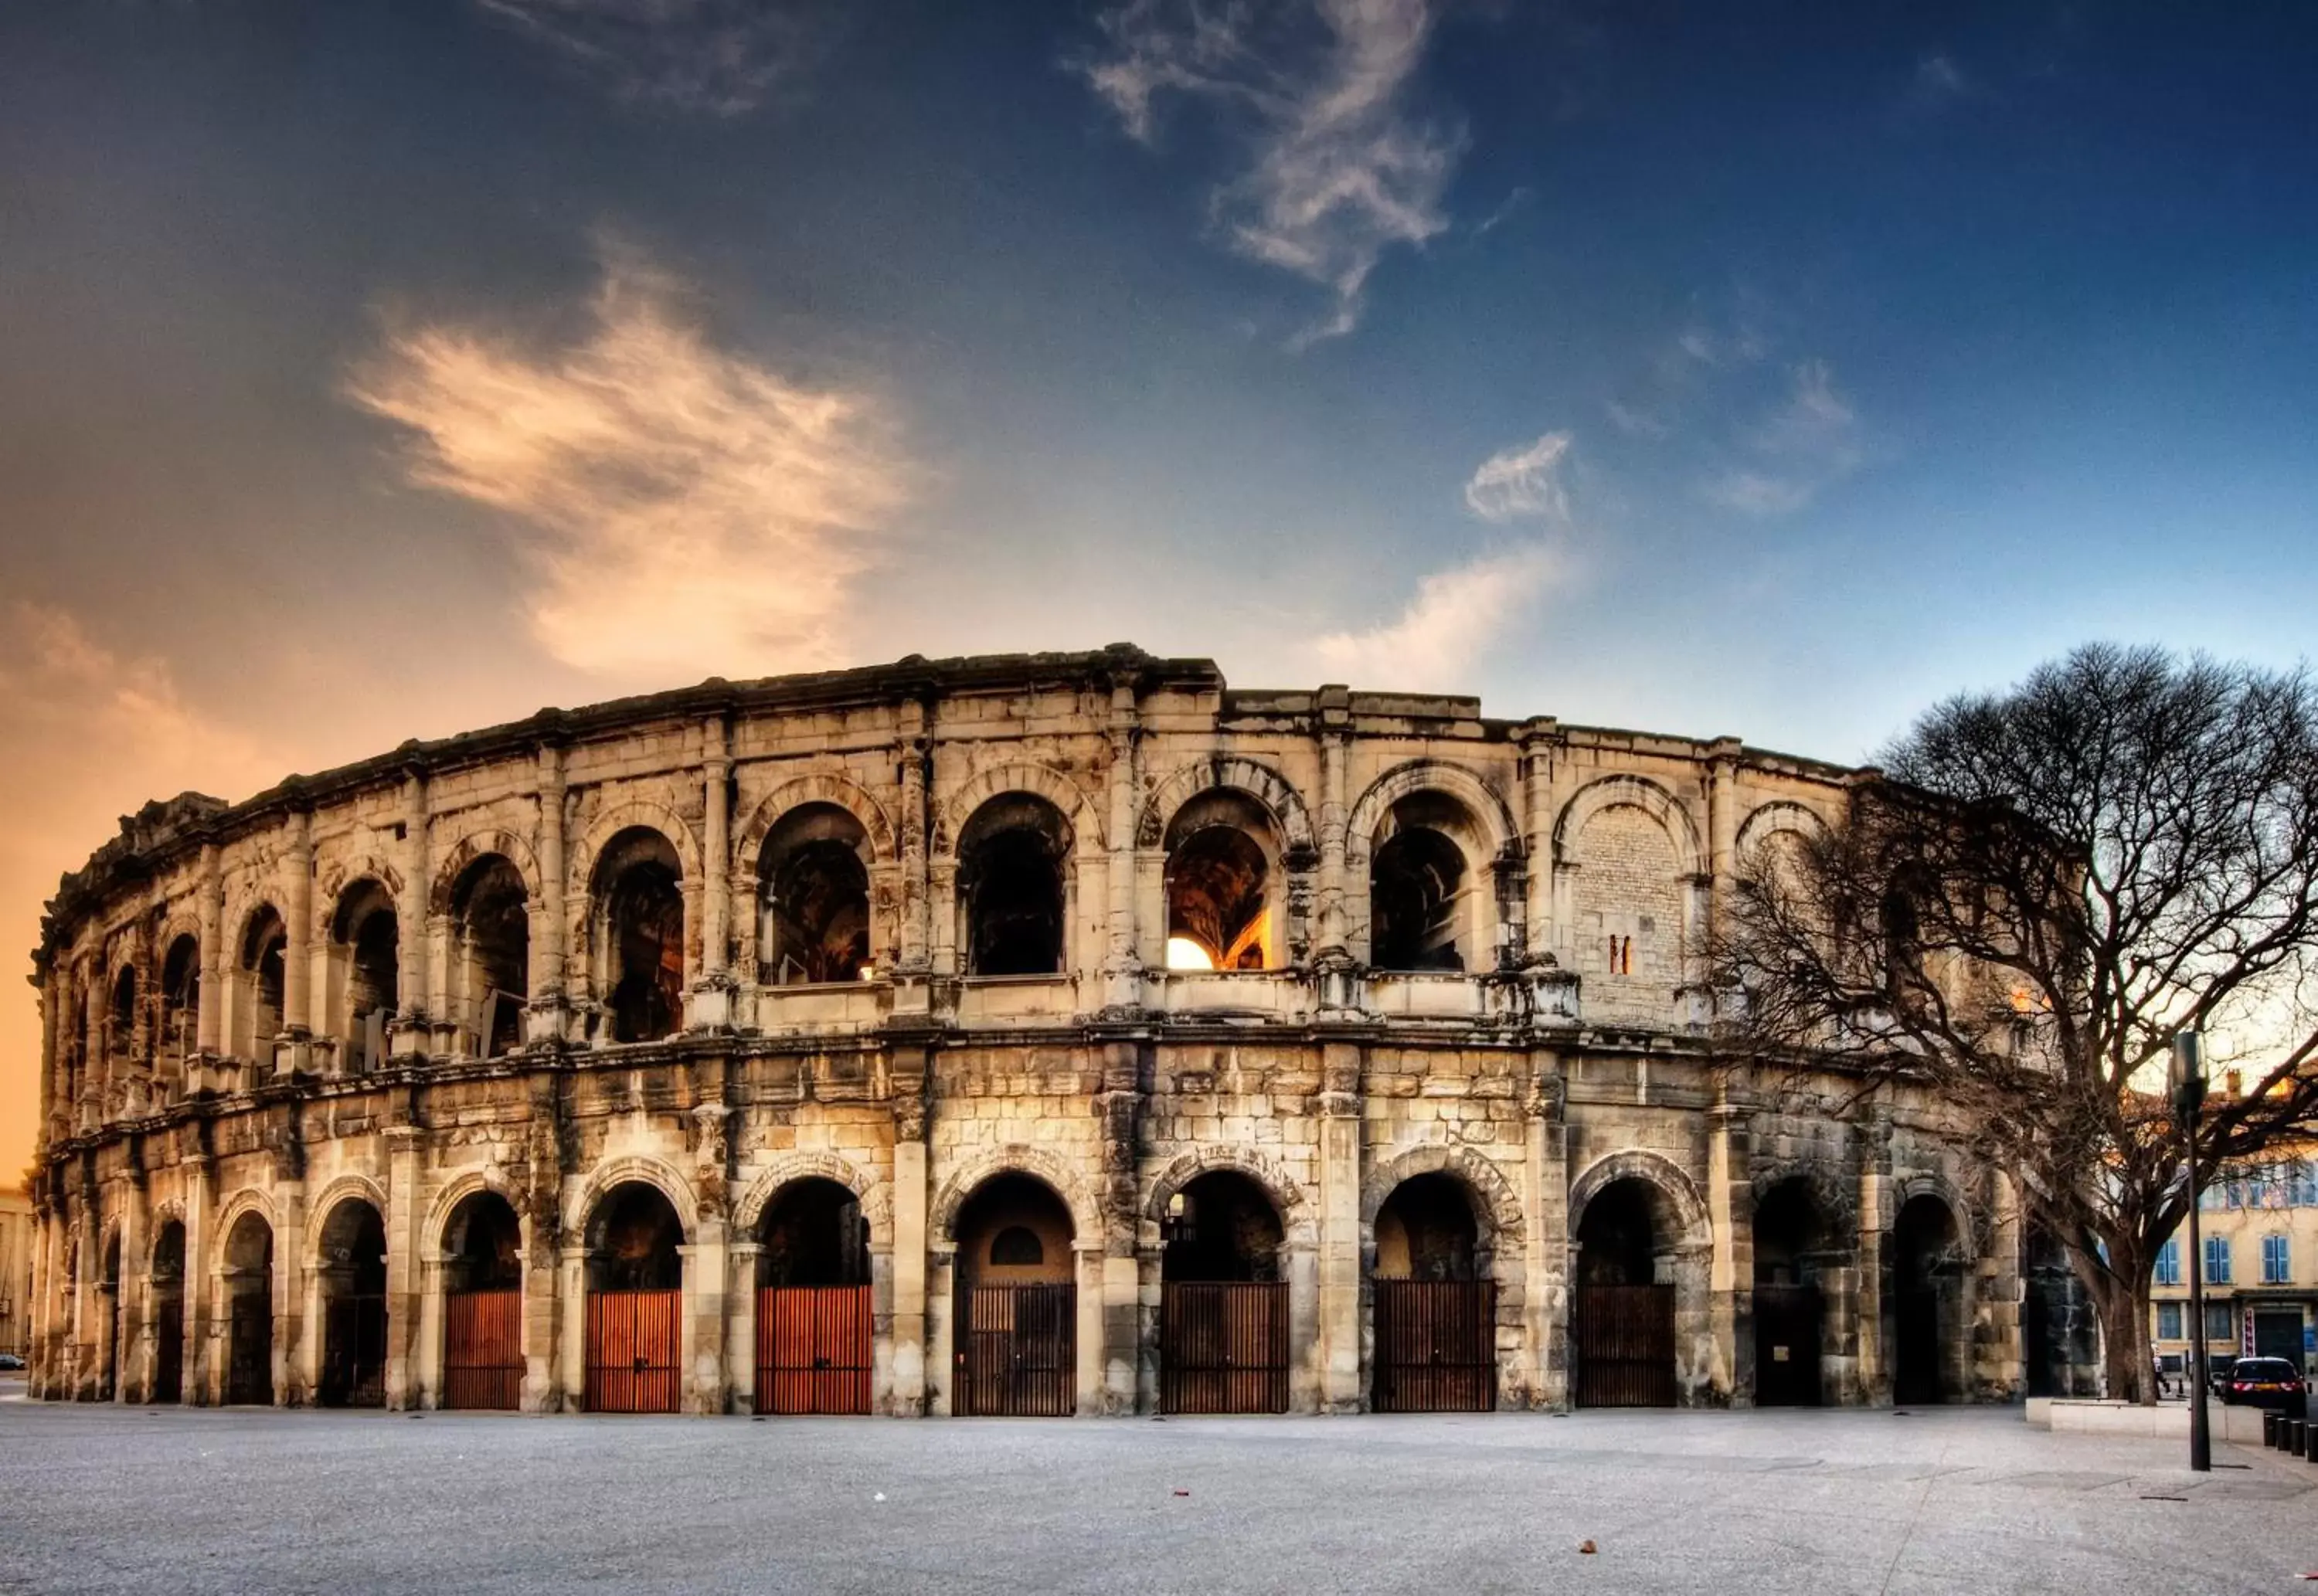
1017 1282
352 1269
170 1313
1621 1337
635 1302
482 1304
1435 1307
813 912
1223 1307
813 1312
249 1310
1927 1304
1011 858
1790 1312
108 1359
639 894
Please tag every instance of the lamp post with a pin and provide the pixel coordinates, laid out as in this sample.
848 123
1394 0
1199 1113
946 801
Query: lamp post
2188 1084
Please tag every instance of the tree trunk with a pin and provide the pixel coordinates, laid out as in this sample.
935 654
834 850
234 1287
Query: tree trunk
2124 1341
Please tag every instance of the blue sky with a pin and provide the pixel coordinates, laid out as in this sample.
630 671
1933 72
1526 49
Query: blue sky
385 370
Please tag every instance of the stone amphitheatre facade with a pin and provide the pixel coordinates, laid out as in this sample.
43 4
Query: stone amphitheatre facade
1041 1035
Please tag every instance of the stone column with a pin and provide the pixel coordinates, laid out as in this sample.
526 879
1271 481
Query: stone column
52 999
549 1007
132 1353
1335 719
704 1267
1874 1218
912 951
198 1175
294 1360
571 1352
1545 1196
1730 1277
423 1387
1999 1376
740 1333
1341 1251
1119 1107
1122 966
711 998
409 1035
209 1022
40 1353
1536 768
298 993
906 1394
406 1252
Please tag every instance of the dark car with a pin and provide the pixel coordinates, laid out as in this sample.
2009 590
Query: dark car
2265 1383
9 1360
2217 1373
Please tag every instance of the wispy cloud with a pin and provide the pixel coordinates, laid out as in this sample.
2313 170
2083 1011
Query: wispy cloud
684 508
1337 167
1520 481
710 57
1455 617
1810 441
1634 421
1937 80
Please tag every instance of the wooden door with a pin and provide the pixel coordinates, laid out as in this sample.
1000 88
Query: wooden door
249 1357
169 1345
1624 1344
482 1350
1223 1346
632 1340
1436 1347
353 1352
1019 1356
1786 1346
813 1350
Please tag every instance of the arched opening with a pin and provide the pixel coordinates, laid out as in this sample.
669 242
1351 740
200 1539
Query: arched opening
1621 1339
120 1028
1625 927
1420 889
491 954
249 1310
364 954
265 955
1018 1352
813 897
812 1301
635 1302
351 1273
1222 858
482 1304
180 1001
1011 886
1223 1305
1791 1238
108 1366
639 886
170 1313
1435 1306
1927 1304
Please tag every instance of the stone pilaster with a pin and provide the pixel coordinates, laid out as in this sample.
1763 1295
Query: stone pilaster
1338 1345
413 963
1730 1277
1874 1176
406 1256
1545 1197
906 1386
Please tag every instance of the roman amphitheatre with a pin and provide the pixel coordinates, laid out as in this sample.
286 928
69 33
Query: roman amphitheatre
1039 1035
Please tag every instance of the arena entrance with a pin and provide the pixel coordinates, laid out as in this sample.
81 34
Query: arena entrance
1790 1233
1019 1302
353 1273
483 1305
814 1314
1435 1311
1623 1332
249 1310
108 1289
170 1313
1927 1304
1223 1307
635 1303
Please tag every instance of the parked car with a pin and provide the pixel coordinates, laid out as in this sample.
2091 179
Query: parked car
2217 1373
9 1361
2265 1383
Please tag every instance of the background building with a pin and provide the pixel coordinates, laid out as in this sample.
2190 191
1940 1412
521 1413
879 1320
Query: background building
15 1270
2259 1227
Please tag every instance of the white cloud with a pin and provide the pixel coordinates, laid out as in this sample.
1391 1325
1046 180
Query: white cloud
683 508
1634 421
1939 80
1337 169
1455 617
1809 442
1755 493
713 58
1524 480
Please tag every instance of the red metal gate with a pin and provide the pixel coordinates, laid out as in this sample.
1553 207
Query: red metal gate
812 1349
1223 1348
633 1337
1019 1352
1436 1347
1623 1341
482 1350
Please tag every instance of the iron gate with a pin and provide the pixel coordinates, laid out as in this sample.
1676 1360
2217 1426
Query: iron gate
1020 1353
1916 1362
1624 1346
353 1352
250 1362
1436 1347
169 1350
1223 1348
812 1349
631 1351
482 1350
1786 1346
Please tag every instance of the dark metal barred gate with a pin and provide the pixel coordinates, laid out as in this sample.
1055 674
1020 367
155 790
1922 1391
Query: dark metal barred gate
1223 1348
249 1357
353 1352
1436 1347
1019 1352
633 1337
812 1349
169 1350
1786 1346
482 1350
1623 1343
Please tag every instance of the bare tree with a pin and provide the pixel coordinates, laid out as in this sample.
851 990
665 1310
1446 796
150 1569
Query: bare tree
2020 910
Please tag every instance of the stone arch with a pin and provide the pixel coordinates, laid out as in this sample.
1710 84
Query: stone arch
1931 1183
825 787
349 872
361 1188
1496 1206
1485 804
874 1195
1039 781
164 1212
1299 1226
467 1183
1837 1205
648 813
1229 772
1640 793
249 1199
1656 1169
619 1171
477 845
1767 820
1016 1157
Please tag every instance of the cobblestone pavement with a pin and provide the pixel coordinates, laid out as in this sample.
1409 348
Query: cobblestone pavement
245 1501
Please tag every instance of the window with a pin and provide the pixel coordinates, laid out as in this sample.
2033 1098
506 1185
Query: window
2233 1190
2169 1322
2218 1322
2275 1268
2169 1264
2217 1260
2212 1198
2298 1185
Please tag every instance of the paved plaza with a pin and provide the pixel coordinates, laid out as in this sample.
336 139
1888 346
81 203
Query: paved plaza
1960 1500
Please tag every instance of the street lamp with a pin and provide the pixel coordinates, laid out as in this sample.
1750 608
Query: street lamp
2187 1080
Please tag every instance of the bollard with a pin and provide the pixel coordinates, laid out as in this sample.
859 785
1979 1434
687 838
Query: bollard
2309 1438
2291 1430
2269 1427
